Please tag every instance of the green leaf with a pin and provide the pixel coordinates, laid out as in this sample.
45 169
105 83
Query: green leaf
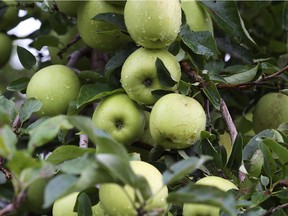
117 60
182 168
252 146
193 193
92 92
269 165
8 107
57 187
163 74
285 16
243 76
227 17
26 58
84 205
113 18
8 142
29 106
278 149
19 84
209 149
235 158
212 94
45 40
200 42
47 131
67 152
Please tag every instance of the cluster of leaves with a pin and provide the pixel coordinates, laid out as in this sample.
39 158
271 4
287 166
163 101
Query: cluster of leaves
232 68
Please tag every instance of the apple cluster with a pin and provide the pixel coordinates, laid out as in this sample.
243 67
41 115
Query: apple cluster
175 121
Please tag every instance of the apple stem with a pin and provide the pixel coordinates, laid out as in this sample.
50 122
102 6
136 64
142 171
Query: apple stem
84 141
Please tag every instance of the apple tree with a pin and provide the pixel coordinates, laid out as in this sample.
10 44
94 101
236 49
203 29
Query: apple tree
143 108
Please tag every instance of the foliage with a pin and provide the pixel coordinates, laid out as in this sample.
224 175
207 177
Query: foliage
245 58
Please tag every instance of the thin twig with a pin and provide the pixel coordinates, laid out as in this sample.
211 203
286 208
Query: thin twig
76 55
16 124
272 210
7 174
98 60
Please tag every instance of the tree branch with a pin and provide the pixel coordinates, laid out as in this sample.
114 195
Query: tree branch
228 120
7 174
272 210
84 140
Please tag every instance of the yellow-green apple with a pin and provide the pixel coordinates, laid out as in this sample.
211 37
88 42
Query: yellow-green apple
190 209
146 137
197 17
65 206
55 86
10 16
121 201
121 117
100 35
270 111
153 24
5 49
67 7
139 75
176 121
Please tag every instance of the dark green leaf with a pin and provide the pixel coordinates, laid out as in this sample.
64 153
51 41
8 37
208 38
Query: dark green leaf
235 50
226 15
58 187
117 60
200 42
45 40
184 87
92 92
209 149
163 74
269 162
182 168
235 158
278 149
29 106
19 84
84 205
47 130
160 93
113 18
194 193
212 94
26 58
285 16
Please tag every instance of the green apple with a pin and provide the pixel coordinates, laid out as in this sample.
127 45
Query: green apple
117 200
153 24
121 117
120 3
100 35
270 111
225 140
10 18
68 7
203 209
65 206
34 198
146 136
197 17
176 121
139 74
5 49
98 210
55 86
